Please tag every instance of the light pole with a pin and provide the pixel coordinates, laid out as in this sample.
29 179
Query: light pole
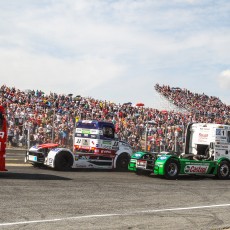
176 135
146 131
53 125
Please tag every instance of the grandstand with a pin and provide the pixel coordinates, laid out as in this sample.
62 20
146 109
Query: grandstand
53 116
163 103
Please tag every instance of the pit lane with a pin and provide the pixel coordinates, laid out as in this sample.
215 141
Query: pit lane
42 198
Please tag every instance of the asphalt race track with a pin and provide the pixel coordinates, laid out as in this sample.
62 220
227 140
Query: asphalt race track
41 198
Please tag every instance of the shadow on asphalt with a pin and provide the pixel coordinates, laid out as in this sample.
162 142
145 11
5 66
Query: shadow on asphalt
187 177
28 176
97 170
181 177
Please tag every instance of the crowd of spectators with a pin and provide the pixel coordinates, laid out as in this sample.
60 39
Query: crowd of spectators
35 118
208 109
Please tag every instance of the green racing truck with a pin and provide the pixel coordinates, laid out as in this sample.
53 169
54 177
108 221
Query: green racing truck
206 152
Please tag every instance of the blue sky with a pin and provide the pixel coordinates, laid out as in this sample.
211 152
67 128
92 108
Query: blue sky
116 50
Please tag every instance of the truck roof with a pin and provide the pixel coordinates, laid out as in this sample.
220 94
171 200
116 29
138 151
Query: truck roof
93 124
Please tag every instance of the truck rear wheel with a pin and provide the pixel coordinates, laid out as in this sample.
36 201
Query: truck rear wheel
63 161
223 170
172 169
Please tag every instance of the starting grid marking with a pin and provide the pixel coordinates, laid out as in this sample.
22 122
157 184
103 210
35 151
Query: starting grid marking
114 214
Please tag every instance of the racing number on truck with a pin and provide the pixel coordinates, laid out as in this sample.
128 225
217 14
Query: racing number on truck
115 143
220 132
78 141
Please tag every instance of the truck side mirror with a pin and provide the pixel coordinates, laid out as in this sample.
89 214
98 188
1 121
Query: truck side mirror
211 145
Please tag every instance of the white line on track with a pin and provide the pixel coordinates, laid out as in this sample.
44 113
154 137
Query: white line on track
114 214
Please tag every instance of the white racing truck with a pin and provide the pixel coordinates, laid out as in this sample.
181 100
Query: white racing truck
95 146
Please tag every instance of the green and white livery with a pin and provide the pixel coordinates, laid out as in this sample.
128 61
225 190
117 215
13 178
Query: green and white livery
206 152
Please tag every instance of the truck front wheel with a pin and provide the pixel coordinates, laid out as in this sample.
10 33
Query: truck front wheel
122 162
63 161
223 170
172 169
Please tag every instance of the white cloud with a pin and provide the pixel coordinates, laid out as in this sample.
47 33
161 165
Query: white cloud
224 79
83 45
24 70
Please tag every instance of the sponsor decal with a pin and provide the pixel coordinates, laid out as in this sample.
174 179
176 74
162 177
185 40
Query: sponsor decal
32 158
85 142
224 146
86 131
163 158
106 151
2 135
55 150
196 168
80 166
106 143
50 161
100 132
106 147
141 163
202 137
218 132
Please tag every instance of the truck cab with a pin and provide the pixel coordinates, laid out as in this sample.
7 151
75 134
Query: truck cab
96 145
95 137
208 141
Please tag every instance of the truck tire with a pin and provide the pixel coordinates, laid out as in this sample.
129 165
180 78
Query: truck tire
172 169
63 161
223 170
122 162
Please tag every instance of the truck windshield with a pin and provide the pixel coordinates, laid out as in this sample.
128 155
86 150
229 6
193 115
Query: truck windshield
86 125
